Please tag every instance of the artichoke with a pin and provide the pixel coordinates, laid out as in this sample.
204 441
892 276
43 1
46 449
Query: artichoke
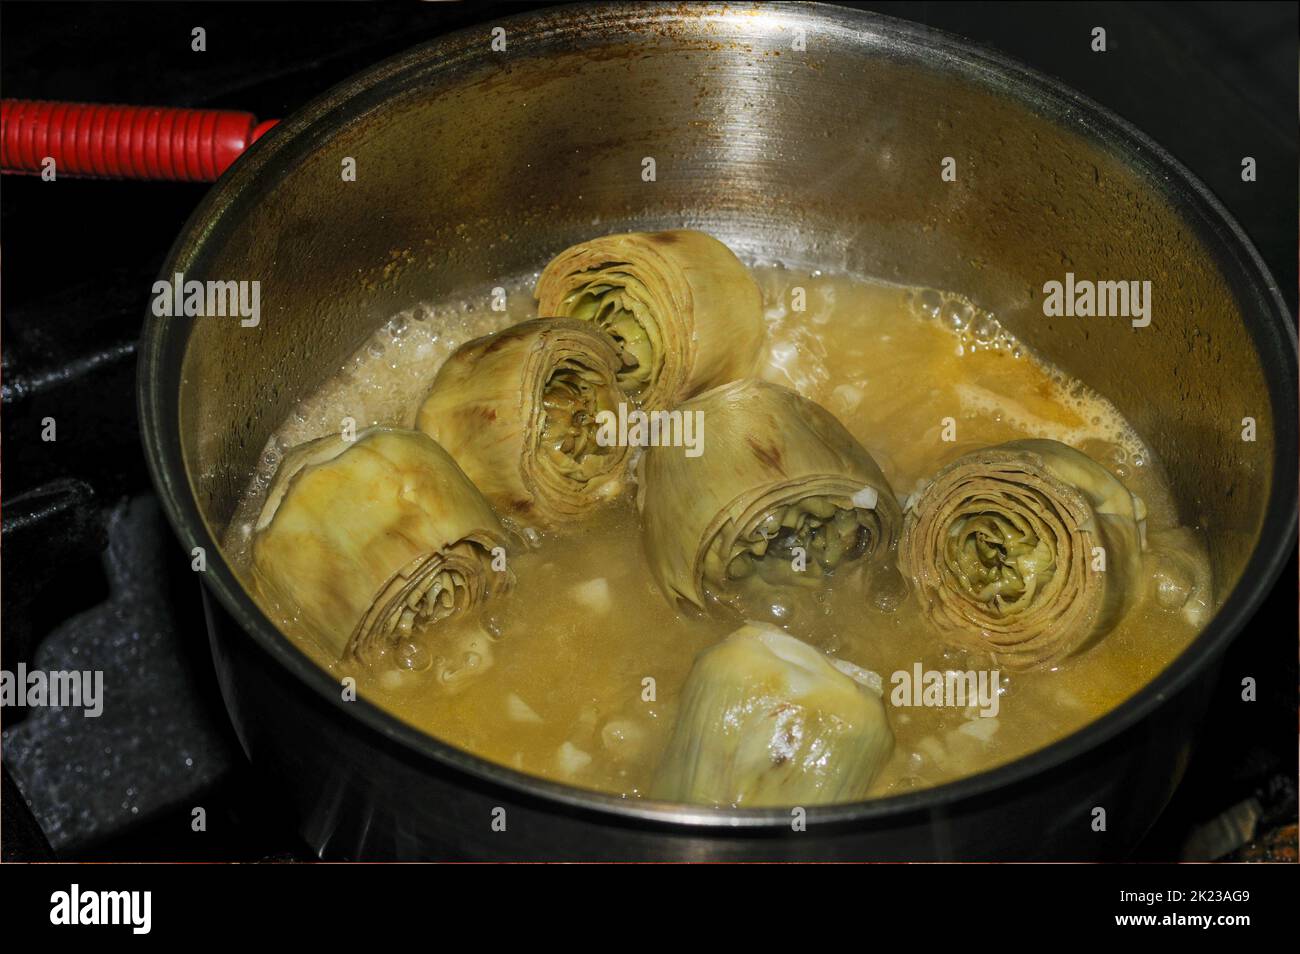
366 542
517 410
780 496
1178 570
683 311
768 720
1002 546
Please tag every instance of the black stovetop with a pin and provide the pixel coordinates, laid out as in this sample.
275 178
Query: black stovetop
91 574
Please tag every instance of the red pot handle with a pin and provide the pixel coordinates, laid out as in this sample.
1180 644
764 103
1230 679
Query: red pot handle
123 142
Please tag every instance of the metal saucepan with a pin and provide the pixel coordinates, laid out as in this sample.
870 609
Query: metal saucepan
474 164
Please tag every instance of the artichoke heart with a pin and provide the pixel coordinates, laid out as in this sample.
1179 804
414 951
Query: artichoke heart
781 496
768 720
518 411
366 542
683 311
1029 550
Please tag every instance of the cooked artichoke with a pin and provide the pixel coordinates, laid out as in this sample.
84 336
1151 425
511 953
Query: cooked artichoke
1178 572
517 410
1001 548
366 542
768 720
780 496
683 311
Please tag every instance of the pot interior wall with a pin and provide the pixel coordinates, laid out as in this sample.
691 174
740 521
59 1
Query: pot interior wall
474 167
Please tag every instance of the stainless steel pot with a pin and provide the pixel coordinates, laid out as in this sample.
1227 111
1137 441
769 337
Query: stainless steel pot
475 165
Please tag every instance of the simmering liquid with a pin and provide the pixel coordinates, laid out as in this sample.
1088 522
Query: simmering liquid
576 674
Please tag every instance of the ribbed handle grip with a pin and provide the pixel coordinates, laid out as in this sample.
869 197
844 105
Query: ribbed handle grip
124 142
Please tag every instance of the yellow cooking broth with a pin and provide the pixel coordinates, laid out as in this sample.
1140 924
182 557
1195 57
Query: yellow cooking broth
576 675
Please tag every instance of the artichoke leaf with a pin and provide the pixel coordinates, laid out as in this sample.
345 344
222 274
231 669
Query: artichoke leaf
1029 550
1177 564
767 720
683 312
782 496
367 543
518 411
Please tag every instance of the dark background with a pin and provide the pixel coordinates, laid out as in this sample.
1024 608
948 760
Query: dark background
89 570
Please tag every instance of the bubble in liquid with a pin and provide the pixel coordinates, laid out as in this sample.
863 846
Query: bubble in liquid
779 611
929 302
958 314
414 657
984 329
398 325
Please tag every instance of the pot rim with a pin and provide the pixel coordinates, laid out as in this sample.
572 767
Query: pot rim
162 339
